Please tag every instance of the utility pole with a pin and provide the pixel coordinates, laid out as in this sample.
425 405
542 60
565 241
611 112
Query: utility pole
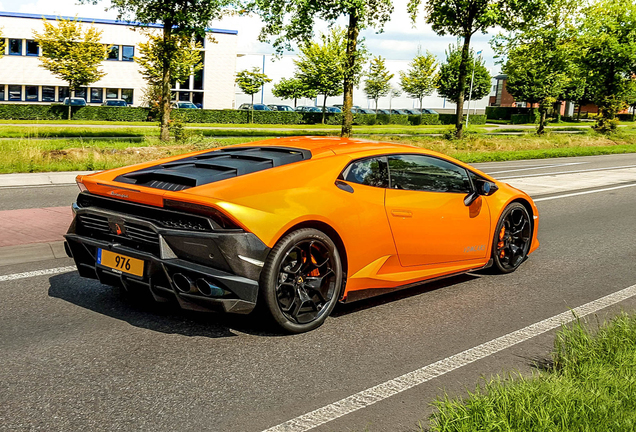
472 81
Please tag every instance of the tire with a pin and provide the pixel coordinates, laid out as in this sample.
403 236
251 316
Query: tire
512 239
301 280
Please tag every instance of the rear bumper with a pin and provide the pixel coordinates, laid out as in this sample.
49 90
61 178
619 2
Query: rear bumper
230 262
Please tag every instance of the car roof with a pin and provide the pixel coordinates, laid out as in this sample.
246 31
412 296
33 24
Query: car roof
330 146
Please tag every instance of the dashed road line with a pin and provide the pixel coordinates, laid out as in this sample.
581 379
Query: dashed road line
35 273
400 384
537 168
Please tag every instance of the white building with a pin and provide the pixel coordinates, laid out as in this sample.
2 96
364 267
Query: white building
22 80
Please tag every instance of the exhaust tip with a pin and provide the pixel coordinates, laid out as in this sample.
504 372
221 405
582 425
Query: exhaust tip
208 289
183 283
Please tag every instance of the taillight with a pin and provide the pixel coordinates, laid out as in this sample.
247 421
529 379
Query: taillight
82 187
219 219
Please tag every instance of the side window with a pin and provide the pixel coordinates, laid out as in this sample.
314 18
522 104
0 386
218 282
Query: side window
424 173
369 172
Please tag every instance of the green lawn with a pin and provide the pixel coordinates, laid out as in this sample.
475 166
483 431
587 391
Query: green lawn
590 386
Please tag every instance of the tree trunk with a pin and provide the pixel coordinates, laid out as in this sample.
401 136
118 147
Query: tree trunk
324 109
463 72
544 113
252 110
352 41
166 94
71 94
421 113
295 102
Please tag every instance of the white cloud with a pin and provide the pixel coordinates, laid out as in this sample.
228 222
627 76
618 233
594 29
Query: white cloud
63 8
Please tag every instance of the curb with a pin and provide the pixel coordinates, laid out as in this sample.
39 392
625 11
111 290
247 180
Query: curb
26 253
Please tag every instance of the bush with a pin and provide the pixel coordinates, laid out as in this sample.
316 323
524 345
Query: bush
32 112
498 113
59 112
424 119
449 119
626 117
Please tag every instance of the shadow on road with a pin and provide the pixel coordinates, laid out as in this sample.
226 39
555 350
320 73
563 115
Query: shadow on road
140 310
348 308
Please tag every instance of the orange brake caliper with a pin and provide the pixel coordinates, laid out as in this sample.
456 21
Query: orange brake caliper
500 245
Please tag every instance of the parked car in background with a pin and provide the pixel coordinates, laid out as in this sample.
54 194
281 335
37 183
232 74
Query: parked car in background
81 102
115 103
280 108
333 109
362 111
384 111
399 112
184 105
429 111
412 111
256 107
340 106
308 109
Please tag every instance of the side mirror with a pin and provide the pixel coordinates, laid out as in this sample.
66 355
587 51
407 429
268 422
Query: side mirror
483 188
486 188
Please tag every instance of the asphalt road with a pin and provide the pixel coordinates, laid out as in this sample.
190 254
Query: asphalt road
79 355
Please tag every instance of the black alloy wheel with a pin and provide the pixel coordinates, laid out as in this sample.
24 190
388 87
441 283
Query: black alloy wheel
301 280
513 237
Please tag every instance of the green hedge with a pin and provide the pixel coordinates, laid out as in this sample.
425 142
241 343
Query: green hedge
32 112
229 116
105 113
450 119
531 117
626 117
506 113
424 119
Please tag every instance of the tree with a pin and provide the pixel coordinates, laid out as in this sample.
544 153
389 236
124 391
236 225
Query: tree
183 18
251 82
292 88
321 66
71 54
187 61
378 82
608 46
419 79
293 21
541 59
447 79
464 18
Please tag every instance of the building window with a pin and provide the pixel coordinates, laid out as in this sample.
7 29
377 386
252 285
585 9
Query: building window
32 48
15 93
199 39
15 47
112 94
197 99
127 95
113 53
1 92
62 93
184 96
185 85
198 80
32 93
81 93
97 95
48 94
127 53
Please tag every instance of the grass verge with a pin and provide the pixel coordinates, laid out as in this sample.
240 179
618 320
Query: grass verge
590 386
69 154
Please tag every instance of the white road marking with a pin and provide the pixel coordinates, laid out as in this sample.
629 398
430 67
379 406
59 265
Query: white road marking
392 387
568 172
35 273
583 193
537 167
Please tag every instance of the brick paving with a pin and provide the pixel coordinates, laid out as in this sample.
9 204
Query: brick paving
28 226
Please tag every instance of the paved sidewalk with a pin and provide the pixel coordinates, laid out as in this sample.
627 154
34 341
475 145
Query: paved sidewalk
40 179
28 226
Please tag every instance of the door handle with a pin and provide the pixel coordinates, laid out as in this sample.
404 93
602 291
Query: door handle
402 213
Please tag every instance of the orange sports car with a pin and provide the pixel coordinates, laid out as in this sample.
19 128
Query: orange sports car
295 225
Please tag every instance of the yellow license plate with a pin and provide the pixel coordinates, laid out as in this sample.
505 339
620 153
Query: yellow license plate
122 263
